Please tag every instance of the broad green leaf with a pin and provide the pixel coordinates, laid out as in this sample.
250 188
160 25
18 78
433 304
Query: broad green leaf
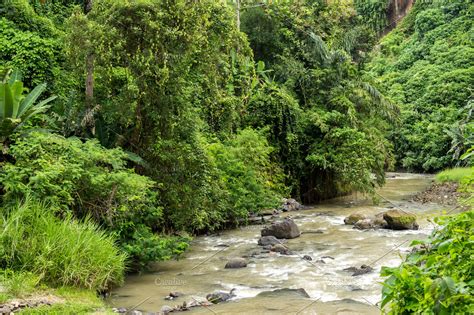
31 98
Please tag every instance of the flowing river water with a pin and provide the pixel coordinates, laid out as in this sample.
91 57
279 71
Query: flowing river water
332 245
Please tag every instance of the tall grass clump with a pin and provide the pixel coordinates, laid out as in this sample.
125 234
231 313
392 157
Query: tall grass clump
457 174
61 251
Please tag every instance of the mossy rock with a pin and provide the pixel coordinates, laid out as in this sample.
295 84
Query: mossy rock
400 220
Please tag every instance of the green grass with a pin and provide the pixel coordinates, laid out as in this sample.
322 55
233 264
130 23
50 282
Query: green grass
66 300
16 284
76 301
456 175
61 252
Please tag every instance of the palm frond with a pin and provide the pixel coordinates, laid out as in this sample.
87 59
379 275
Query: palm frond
385 107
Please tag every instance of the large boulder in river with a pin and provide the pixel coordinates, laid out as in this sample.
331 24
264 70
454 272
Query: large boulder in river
354 217
400 220
282 229
268 240
236 263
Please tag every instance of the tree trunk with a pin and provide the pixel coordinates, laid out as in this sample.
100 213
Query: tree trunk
87 6
238 15
89 66
90 80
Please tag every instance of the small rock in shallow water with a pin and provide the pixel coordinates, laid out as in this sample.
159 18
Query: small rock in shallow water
220 296
236 263
166 310
175 294
285 292
307 257
354 217
279 248
268 240
290 205
359 271
364 224
120 310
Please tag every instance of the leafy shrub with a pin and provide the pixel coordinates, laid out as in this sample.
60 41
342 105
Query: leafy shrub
89 181
437 279
30 43
251 181
61 251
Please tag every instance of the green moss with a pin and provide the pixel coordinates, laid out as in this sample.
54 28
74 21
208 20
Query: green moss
407 219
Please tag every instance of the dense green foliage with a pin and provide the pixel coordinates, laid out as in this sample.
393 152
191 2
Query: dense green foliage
326 120
93 182
373 13
197 124
438 278
60 251
427 66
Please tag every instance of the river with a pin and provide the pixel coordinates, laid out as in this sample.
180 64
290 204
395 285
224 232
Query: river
332 245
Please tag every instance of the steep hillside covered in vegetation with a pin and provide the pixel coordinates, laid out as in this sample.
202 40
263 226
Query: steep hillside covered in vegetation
426 65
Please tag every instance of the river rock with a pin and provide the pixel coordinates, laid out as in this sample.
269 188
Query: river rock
268 240
307 257
359 271
399 220
290 205
197 301
165 310
279 248
176 294
120 310
236 263
379 222
282 229
364 224
285 292
354 217
220 296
